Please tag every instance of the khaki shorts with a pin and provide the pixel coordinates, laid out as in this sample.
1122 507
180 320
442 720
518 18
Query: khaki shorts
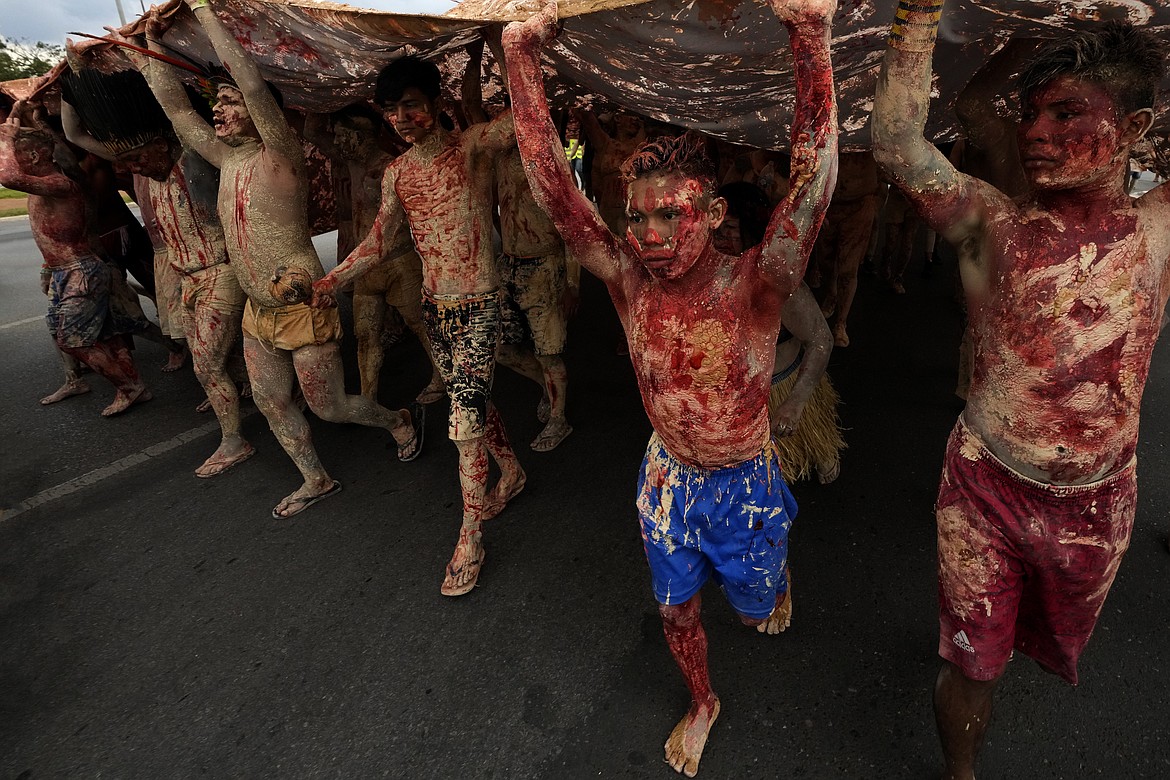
533 287
216 287
291 327
398 282
168 295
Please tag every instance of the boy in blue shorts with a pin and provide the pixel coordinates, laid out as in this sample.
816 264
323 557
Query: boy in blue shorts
701 327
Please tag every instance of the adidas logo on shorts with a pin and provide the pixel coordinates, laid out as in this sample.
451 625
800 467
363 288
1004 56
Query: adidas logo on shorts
963 642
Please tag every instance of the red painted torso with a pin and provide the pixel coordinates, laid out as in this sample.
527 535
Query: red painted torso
60 228
185 211
1063 341
447 200
703 360
526 230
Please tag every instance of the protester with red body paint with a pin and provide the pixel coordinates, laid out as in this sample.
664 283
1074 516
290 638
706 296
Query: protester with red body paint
1065 291
75 277
702 330
442 187
263 199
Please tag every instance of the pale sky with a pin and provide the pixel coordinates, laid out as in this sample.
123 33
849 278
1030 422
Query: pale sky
50 20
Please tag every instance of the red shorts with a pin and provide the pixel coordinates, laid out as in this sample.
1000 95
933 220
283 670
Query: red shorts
1023 564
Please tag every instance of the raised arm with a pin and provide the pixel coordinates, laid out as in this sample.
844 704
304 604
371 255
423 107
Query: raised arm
983 127
471 90
191 128
12 176
792 230
78 135
545 164
378 246
498 135
953 204
262 106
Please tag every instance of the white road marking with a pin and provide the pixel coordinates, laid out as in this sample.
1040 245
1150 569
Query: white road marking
26 321
113 469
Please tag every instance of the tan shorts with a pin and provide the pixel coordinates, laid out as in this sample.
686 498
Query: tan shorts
168 295
216 287
398 282
291 327
532 288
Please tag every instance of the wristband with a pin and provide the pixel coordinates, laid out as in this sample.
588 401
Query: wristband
915 25
197 4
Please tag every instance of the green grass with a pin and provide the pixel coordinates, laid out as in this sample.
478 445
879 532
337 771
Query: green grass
22 210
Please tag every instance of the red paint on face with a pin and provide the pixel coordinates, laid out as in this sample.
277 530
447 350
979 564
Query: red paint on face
1069 135
412 116
665 225
230 114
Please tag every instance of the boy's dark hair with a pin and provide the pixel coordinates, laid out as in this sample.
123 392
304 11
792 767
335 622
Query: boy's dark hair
404 73
360 111
749 204
1124 60
685 154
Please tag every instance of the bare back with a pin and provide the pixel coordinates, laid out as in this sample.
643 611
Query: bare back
61 227
366 192
527 230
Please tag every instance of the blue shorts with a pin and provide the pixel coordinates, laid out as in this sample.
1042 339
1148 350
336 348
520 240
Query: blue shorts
730 523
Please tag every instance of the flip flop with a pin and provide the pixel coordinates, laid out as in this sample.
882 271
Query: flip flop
430 395
463 590
418 418
307 502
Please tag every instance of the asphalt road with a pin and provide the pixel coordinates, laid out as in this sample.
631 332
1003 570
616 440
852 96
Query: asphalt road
156 625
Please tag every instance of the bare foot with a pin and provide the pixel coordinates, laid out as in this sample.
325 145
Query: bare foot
685 746
123 401
505 490
175 360
827 472
228 455
553 434
781 617
67 390
303 498
435 391
543 409
204 407
463 570
897 287
840 337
